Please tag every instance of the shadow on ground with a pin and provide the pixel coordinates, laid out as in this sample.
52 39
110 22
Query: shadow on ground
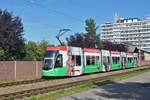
117 91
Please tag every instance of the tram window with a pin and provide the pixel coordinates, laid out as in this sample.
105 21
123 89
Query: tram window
59 61
97 60
113 59
88 60
104 59
131 60
78 60
73 57
135 59
118 61
108 58
128 59
93 60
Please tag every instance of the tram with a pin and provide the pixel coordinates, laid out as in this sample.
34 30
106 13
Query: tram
75 61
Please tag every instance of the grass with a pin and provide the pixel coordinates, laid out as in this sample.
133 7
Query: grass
61 93
84 87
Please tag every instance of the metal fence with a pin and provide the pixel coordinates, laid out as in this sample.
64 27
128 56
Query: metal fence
20 69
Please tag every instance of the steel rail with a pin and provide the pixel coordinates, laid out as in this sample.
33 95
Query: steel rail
21 82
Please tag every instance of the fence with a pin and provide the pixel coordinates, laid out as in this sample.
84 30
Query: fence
20 69
26 69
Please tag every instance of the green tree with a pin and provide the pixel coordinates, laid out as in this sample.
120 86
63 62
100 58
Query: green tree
36 51
42 48
32 51
1 54
11 36
91 29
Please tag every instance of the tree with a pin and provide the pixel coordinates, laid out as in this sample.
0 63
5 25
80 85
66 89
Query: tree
86 40
32 51
42 46
91 29
1 53
36 51
11 36
79 40
114 46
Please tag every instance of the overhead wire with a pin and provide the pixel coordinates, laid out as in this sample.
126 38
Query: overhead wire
43 24
54 11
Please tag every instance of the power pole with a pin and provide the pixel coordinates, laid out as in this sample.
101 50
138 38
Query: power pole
61 32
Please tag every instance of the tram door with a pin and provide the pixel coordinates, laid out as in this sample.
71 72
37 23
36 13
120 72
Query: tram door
75 59
123 56
123 62
135 59
106 60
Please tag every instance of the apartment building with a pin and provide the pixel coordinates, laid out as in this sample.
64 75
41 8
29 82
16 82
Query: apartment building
131 31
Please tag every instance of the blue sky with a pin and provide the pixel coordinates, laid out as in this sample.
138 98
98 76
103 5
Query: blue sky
42 19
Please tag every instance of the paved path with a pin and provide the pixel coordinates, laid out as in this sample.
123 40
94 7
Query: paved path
134 88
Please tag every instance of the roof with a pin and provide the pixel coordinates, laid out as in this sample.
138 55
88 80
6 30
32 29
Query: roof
91 50
61 48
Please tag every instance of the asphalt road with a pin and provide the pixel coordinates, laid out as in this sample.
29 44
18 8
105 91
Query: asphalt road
134 88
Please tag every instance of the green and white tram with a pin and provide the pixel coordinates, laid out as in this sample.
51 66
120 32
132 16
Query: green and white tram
115 60
130 61
74 61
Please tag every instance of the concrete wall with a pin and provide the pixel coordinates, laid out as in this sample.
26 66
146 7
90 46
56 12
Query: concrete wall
20 69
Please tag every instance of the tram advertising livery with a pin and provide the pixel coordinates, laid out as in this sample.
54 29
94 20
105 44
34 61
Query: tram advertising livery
74 61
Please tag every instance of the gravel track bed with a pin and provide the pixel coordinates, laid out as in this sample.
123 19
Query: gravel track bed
11 89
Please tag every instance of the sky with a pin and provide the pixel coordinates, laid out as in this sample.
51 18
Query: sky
42 19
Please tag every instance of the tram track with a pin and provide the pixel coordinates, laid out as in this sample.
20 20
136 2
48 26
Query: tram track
46 89
22 82
28 81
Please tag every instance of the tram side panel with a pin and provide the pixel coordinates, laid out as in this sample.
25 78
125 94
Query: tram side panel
130 62
106 66
92 60
123 60
135 55
74 63
115 60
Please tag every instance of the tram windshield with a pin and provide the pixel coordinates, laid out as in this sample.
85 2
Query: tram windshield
50 53
48 64
49 60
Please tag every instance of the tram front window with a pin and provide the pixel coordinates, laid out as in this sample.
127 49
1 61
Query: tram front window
50 53
48 64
